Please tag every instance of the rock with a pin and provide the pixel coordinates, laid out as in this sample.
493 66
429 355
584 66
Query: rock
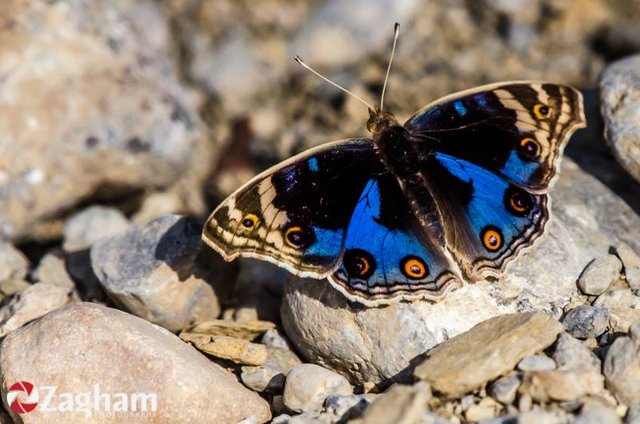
84 133
631 262
593 413
600 274
229 348
504 390
485 352
31 303
83 229
122 353
270 376
622 367
13 264
308 385
571 354
536 363
623 305
486 409
11 287
151 271
373 345
273 338
586 322
619 94
249 330
399 404
52 270
544 386
348 407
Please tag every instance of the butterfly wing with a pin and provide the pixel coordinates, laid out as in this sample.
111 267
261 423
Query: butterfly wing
295 214
491 154
386 255
517 130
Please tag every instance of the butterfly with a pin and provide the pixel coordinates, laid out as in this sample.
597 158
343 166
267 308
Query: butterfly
454 194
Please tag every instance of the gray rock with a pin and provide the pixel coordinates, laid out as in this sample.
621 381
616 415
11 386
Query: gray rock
600 274
631 261
82 343
348 407
504 390
52 269
622 367
623 305
83 229
532 417
596 413
372 345
620 96
536 363
487 351
270 376
586 322
13 264
151 270
130 125
273 338
308 385
31 303
572 355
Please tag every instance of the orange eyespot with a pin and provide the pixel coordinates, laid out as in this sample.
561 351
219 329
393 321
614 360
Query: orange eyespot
249 221
298 236
413 267
491 238
542 111
530 147
359 263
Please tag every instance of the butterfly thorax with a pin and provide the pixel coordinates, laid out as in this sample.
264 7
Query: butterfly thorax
380 120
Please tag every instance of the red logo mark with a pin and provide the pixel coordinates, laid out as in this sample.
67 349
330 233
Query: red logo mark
26 405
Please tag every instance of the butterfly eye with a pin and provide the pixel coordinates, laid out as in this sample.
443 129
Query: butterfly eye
299 237
517 201
359 263
491 238
542 111
413 267
529 147
249 221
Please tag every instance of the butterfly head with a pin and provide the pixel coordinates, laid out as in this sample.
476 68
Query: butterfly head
379 120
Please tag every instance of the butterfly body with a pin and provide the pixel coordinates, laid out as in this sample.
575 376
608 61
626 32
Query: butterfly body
454 194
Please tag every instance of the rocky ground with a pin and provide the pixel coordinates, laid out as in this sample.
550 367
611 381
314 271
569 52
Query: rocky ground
123 123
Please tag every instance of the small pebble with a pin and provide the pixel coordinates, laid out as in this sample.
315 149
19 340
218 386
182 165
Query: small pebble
631 262
308 385
600 274
505 389
13 264
536 363
487 408
52 269
572 354
235 350
348 407
94 223
586 321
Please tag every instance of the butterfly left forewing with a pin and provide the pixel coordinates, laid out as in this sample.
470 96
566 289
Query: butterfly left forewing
296 213
516 129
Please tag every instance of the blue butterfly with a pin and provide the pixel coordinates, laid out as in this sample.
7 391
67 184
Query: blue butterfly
453 194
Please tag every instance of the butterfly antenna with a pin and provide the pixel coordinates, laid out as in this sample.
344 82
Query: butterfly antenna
307 67
396 33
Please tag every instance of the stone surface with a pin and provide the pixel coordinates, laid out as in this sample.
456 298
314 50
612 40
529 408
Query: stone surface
52 270
31 303
486 409
110 113
485 352
377 344
400 404
13 264
85 228
622 367
620 95
623 305
504 390
229 348
347 407
249 330
123 354
308 385
560 385
536 363
631 262
586 322
572 355
151 271
600 274
270 376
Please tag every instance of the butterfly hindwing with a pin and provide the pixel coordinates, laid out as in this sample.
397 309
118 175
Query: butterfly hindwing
386 255
296 213
517 130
